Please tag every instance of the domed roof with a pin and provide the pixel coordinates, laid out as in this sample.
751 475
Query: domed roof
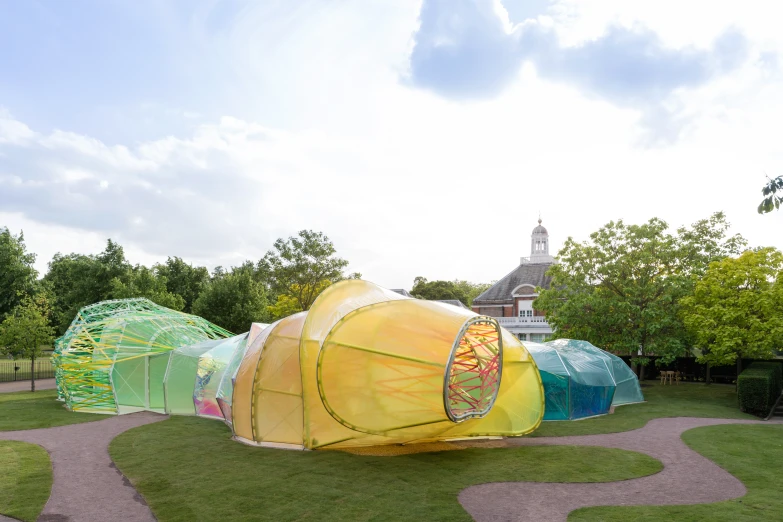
539 229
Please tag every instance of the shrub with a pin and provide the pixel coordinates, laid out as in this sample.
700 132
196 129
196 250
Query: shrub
777 369
758 387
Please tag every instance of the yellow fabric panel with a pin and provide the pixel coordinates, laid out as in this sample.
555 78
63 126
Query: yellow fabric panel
277 392
519 407
333 304
382 367
241 399
404 339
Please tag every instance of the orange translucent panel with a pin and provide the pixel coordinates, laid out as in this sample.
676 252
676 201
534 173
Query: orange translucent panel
277 392
242 397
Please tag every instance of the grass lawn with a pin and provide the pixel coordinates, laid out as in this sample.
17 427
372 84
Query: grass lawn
753 454
683 400
28 410
189 469
25 480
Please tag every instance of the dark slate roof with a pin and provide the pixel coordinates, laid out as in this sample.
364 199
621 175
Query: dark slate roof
402 291
527 273
454 302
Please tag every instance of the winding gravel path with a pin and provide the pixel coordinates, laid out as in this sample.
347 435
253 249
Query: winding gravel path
687 477
87 485
89 488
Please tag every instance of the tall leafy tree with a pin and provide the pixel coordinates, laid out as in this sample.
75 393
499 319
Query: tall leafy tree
736 309
773 195
471 290
621 289
232 300
183 279
78 280
26 330
299 266
72 285
144 282
288 304
464 291
17 275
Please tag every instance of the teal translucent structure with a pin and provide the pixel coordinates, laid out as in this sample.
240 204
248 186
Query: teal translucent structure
581 380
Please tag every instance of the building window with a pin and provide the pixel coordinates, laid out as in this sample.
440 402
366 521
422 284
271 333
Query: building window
522 337
539 338
526 313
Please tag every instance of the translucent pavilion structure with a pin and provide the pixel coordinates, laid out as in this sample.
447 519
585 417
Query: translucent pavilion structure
364 366
105 362
581 380
367 366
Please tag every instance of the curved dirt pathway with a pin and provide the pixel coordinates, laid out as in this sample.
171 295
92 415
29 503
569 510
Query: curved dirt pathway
687 477
87 486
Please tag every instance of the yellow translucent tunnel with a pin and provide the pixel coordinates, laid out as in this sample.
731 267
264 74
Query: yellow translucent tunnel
367 366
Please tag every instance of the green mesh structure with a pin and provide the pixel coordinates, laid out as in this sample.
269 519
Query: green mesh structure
105 361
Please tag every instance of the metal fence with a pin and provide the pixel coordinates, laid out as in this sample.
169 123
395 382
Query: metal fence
692 370
19 370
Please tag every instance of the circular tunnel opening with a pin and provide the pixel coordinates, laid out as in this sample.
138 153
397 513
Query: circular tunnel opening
472 377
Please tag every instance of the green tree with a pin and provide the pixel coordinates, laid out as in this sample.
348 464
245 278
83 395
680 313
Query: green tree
621 290
183 279
78 280
460 290
288 304
232 300
299 266
471 290
17 275
736 309
26 330
771 199
144 282
437 290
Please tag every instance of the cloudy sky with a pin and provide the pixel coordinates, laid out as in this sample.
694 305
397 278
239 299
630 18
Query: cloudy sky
423 137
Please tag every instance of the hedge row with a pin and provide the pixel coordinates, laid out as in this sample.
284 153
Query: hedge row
759 387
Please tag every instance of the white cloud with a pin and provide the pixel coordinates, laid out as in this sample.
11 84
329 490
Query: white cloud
404 182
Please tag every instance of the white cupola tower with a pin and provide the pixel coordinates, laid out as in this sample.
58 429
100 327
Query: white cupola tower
539 246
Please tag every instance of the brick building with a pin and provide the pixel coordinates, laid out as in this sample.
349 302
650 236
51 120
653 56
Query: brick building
510 300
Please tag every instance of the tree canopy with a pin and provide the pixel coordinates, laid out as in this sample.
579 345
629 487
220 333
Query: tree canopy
736 309
17 275
621 289
26 330
183 279
233 300
141 281
301 267
773 195
463 291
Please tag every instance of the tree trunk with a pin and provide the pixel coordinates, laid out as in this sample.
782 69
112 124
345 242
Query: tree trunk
32 373
641 373
739 370
707 378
